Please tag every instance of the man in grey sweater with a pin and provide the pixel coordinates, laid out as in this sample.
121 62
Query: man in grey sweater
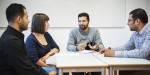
84 37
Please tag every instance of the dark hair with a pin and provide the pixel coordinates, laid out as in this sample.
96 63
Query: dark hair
38 23
139 13
84 14
14 10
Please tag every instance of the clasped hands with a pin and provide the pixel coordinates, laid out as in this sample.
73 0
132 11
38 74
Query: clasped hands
82 46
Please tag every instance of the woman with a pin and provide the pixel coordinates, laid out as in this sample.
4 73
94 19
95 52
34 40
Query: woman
40 45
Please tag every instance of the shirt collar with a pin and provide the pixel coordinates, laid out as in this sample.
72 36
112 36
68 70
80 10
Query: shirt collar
15 32
144 29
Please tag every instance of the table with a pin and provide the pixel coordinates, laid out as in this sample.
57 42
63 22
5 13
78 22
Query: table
117 64
95 62
79 62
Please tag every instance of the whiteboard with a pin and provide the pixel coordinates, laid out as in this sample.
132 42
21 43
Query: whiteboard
64 13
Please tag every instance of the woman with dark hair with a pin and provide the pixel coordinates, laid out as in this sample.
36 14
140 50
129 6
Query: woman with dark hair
40 45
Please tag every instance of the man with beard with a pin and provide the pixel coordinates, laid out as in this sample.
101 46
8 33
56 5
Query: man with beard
139 44
13 56
84 38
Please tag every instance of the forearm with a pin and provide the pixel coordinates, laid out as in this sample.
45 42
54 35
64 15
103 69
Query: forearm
57 50
41 63
50 53
47 55
124 47
136 53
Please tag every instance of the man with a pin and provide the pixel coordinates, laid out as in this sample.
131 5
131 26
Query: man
84 37
13 57
139 44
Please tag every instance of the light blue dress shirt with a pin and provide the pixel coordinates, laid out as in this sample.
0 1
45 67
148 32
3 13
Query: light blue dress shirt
138 46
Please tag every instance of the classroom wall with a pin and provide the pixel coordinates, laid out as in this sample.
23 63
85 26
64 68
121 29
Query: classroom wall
111 37
63 13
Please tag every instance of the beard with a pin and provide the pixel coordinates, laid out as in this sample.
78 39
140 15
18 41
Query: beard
133 29
83 27
23 27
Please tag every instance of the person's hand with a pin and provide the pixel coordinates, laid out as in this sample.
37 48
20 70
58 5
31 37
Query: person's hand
107 52
81 46
102 50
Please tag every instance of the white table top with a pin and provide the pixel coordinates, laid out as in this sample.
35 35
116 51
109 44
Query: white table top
123 61
75 59
88 59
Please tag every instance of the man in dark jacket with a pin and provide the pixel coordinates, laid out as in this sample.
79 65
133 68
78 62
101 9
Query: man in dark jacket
13 56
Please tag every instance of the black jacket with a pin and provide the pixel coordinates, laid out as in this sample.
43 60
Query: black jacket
13 56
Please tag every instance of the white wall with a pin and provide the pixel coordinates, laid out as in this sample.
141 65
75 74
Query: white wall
112 37
63 13
148 8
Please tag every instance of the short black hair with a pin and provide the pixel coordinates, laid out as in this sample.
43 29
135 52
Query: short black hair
14 10
84 14
38 23
139 13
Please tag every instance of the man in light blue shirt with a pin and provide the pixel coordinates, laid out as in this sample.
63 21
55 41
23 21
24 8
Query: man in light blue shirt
139 44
